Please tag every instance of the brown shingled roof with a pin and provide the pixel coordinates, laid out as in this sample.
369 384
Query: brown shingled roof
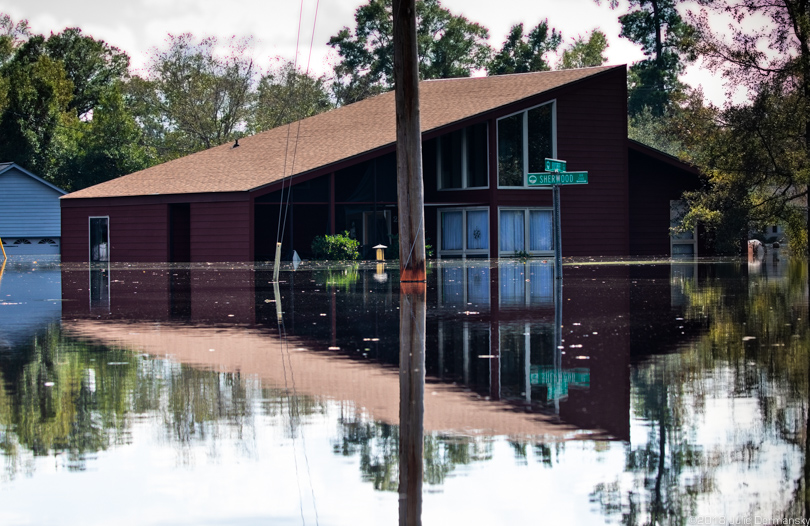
329 137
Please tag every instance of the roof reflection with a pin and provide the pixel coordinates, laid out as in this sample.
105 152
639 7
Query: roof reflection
497 360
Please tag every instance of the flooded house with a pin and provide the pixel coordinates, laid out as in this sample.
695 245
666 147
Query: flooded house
29 212
336 172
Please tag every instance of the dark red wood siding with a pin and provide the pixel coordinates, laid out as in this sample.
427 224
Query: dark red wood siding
592 136
221 231
653 183
591 119
138 232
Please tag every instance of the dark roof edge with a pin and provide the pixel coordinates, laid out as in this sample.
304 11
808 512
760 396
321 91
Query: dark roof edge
658 155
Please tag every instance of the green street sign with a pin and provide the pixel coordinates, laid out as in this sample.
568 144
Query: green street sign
549 179
555 165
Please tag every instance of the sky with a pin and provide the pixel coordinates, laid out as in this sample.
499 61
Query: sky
141 26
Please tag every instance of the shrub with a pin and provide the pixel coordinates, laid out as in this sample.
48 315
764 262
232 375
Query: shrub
336 247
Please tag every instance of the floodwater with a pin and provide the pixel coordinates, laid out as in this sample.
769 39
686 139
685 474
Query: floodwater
635 392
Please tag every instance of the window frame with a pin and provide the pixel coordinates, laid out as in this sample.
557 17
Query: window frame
90 239
526 230
464 252
464 162
525 145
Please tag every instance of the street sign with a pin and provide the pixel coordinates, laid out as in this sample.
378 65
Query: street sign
554 178
555 165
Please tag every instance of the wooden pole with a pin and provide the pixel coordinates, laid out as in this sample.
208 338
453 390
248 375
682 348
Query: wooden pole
412 316
410 188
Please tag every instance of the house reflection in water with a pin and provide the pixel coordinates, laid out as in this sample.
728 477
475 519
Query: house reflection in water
509 349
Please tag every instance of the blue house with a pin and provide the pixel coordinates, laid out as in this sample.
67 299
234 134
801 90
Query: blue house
30 217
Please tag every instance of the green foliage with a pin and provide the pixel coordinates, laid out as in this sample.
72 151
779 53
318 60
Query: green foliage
667 41
11 36
448 46
523 53
342 278
93 66
203 96
585 53
37 96
766 53
286 95
655 131
108 145
62 114
336 247
522 254
756 165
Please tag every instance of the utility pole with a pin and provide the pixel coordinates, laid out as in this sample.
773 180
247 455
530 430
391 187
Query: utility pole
410 188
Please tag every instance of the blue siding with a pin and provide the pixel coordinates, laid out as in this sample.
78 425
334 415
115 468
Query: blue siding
28 208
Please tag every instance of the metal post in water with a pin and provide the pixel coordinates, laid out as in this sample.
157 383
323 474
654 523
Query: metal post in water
558 328
412 316
557 233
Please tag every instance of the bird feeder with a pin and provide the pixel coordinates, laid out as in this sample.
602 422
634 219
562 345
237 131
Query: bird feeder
380 252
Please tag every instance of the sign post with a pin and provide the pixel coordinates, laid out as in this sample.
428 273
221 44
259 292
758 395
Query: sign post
554 176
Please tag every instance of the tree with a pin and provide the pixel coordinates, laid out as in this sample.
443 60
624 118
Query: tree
40 106
449 46
109 145
286 95
93 66
11 36
523 53
666 40
203 97
36 116
585 53
754 156
756 152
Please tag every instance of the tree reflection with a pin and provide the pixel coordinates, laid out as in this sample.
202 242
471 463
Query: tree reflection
61 396
755 349
376 444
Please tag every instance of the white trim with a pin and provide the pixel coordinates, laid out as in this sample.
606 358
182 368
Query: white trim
525 138
464 250
526 230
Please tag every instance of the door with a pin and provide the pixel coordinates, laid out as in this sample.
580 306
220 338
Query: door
99 239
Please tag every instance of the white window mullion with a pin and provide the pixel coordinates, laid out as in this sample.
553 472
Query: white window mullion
525 146
464 158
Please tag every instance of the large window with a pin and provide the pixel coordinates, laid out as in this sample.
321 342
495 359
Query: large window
525 139
525 230
462 158
463 231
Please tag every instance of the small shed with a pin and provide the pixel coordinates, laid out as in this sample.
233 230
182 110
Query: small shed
30 216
